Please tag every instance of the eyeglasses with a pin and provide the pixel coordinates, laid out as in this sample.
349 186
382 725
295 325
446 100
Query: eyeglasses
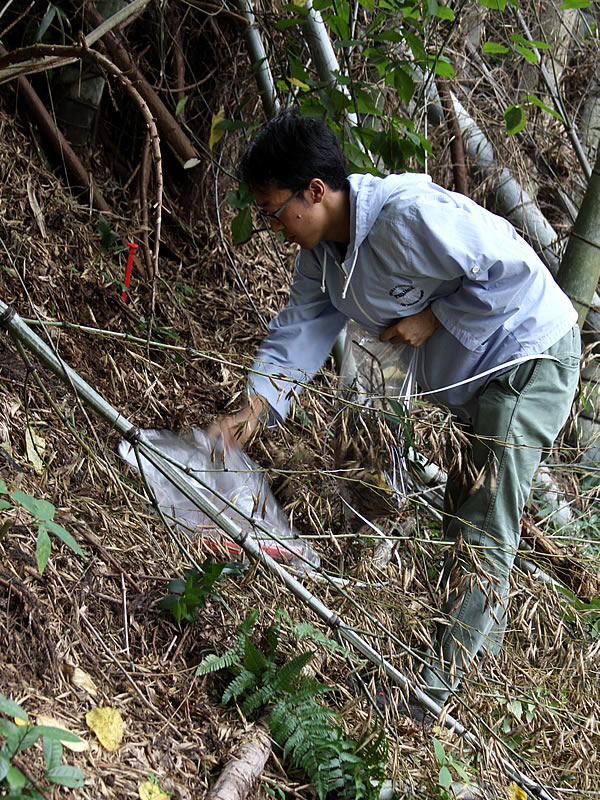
276 215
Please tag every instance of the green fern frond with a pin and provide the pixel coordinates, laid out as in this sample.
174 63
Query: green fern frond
254 660
213 662
244 682
305 630
261 697
284 680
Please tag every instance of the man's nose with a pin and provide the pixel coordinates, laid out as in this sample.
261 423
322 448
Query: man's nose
276 224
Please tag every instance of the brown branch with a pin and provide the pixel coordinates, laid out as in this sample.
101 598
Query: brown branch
457 152
241 773
24 53
217 10
74 169
168 125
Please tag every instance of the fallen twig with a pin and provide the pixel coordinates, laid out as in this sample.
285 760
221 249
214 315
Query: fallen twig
241 773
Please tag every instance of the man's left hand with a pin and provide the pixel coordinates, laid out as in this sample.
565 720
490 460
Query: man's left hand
413 330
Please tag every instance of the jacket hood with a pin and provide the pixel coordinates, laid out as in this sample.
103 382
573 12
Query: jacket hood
369 194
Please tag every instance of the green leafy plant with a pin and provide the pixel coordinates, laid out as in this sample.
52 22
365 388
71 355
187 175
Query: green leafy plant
43 512
191 593
447 764
108 237
587 612
308 731
14 781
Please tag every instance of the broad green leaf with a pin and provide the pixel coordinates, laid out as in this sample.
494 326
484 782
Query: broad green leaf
42 510
416 45
440 753
4 504
368 4
444 69
64 775
567 4
403 82
65 536
495 5
12 709
234 125
284 24
514 119
240 197
529 55
516 708
53 752
181 105
32 734
241 226
4 766
444 12
58 734
495 47
3 487
462 772
42 548
15 778
431 7
445 778
533 99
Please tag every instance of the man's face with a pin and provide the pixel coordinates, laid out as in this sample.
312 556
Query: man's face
300 217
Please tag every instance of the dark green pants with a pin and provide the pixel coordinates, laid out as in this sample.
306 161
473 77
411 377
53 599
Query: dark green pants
519 416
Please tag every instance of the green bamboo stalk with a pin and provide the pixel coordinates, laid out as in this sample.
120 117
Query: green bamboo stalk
580 268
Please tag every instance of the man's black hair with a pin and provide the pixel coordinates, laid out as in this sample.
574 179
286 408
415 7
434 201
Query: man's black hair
289 151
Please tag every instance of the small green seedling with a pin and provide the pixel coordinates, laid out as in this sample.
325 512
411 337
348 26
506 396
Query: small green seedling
43 512
14 782
197 586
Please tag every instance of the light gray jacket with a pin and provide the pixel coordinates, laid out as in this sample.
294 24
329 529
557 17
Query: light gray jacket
414 244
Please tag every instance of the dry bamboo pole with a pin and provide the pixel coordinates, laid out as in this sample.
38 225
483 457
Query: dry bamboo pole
15 326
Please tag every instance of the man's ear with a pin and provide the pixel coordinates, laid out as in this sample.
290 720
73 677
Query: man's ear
317 190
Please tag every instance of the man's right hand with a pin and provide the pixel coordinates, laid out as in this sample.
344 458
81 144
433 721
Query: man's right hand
238 428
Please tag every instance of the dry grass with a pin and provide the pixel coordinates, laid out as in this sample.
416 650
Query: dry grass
101 614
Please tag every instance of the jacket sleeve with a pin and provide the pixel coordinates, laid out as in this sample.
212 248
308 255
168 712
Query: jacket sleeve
300 338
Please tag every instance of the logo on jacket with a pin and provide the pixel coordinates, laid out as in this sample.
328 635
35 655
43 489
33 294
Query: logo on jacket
407 294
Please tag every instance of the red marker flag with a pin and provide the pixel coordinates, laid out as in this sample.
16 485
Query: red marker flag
132 248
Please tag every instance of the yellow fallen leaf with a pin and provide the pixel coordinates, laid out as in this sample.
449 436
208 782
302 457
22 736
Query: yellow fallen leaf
107 724
76 747
300 84
35 447
80 678
20 722
152 791
515 792
216 133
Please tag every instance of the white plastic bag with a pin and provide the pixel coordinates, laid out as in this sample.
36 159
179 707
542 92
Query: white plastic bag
376 387
232 474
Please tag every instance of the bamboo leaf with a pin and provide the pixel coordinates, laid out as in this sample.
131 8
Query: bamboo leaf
42 548
64 536
445 778
42 510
